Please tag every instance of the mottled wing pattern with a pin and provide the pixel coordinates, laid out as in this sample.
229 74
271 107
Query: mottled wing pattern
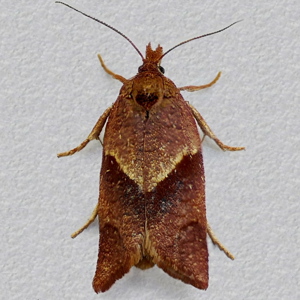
152 200
121 224
175 209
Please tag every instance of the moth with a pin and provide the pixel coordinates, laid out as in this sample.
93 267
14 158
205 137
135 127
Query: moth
151 207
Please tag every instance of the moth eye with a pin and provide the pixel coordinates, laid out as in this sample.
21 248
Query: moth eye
161 69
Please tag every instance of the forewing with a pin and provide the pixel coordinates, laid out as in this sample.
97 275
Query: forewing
176 223
175 208
121 201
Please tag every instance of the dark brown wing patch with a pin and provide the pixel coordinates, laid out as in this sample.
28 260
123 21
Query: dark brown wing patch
176 223
121 220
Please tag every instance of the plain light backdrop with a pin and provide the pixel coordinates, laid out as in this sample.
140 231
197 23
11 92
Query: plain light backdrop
52 92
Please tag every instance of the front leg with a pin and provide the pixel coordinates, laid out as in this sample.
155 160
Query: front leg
92 136
193 88
108 71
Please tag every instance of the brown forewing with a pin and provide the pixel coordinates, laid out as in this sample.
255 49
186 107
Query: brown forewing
122 225
151 204
176 223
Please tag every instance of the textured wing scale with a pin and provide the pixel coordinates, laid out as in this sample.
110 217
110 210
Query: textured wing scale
163 222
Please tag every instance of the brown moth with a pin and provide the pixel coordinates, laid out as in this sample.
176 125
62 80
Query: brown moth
151 206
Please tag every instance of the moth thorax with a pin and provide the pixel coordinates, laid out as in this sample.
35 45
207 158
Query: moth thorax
147 92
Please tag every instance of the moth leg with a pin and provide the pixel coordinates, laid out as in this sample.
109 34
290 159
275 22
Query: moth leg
94 135
207 131
218 243
193 88
88 223
107 70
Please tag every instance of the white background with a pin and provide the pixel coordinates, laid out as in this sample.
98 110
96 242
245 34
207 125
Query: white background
52 92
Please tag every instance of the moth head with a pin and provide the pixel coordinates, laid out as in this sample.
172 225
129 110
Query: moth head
151 62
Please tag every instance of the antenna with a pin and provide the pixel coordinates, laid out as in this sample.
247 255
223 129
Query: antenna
105 24
198 37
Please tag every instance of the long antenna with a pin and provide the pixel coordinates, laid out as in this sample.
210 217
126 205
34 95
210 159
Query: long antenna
109 26
198 37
